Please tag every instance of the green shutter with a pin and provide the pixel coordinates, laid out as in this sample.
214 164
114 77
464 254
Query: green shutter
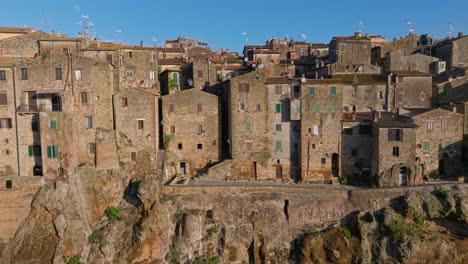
331 108
312 91
426 146
278 145
333 90
53 124
447 143
247 125
278 108
56 151
49 151
31 150
298 108
317 108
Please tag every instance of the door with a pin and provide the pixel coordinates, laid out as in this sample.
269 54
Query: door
253 170
32 101
442 167
279 171
182 168
335 167
56 103
403 176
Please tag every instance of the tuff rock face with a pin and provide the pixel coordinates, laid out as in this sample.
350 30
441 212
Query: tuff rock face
72 219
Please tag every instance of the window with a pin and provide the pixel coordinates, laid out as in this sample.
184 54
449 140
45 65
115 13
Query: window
364 129
34 150
278 127
278 108
133 156
312 146
241 107
152 75
175 78
380 94
430 125
199 146
395 134
199 108
171 108
199 73
179 146
333 90
52 152
52 124
296 89
3 98
244 87
331 108
172 130
88 122
141 123
323 161
92 148
316 130
347 131
109 58
130 54
24 73
278 89
152 57
316 108
443 124
200 129
311 91
447 144
278 146
2 75
248 145
34 126
58 73
123 102
354 152
396 151
9 184
247 126
129 74
78 75
5 123
258 108
84 98
298 108
426 145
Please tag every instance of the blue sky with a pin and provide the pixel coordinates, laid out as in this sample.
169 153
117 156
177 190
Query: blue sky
220 23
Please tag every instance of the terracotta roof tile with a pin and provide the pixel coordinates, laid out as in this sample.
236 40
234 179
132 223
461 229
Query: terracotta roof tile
323 81
362 78
280 80
17 30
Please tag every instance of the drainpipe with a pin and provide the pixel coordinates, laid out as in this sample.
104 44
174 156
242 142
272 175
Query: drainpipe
13 69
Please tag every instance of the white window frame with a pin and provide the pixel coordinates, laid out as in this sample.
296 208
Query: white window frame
242 106
152 75
78 75
316 130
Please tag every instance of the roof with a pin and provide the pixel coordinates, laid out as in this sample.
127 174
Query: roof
414 112
154 92
265 51
169 61
16 30
323 81
411 73
7 61
386 119
280 80
170 50
110 46
60 38
362 79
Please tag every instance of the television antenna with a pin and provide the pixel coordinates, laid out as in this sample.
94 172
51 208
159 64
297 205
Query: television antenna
304 36
154 40
451 28
362 26
410 25
244 34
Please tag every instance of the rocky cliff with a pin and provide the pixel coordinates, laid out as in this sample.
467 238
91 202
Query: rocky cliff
113 219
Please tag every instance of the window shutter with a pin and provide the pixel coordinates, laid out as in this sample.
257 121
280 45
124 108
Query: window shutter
56 151
9 123
31 151
49 152
240 87
401 134
248 87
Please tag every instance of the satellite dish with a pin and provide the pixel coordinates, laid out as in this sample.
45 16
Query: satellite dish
246 59
190 82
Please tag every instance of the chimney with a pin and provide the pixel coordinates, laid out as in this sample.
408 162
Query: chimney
454 108
460 34
357 34
141 43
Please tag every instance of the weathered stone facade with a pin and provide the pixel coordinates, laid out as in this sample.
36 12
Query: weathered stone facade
411 90
353 50
321 108
191 133
363 92
453 51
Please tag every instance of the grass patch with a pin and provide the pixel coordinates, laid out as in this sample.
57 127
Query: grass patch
162 201
113 213
401 230
75 259
345 232
97 237
212 231
167 141
206 260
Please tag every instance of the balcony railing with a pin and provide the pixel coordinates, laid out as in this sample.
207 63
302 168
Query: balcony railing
40 108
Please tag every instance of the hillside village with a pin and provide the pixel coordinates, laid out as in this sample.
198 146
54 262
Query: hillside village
358 110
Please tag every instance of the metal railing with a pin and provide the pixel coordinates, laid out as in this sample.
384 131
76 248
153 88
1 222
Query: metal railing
40 108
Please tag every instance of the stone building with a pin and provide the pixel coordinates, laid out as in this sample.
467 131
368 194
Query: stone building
408 45
21 45
321 108
137 127
364 92
170 81
191 132
10 32
411 90
439 136
352 50
400 60
453 51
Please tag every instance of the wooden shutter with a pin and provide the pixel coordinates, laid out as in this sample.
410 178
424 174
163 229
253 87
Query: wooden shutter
31 151
49 151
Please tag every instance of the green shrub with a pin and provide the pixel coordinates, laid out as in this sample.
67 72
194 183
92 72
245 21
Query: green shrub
166 141
113 213
398 229
72 260
345 232
96 237
162 201
212 231
343 180
206 260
